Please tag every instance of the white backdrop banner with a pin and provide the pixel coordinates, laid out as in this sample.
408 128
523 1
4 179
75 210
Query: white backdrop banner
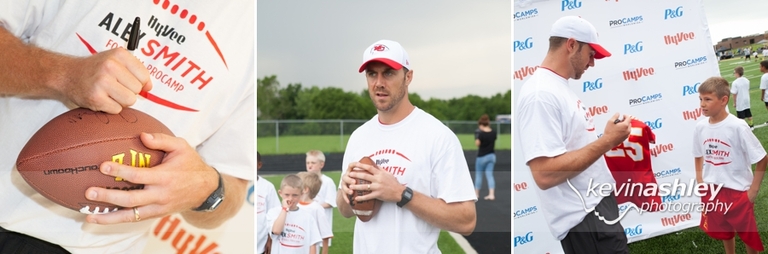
661 51
171 234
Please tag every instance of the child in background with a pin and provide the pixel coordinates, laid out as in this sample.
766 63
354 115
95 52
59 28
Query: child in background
311 183
326 197
294 230
266 199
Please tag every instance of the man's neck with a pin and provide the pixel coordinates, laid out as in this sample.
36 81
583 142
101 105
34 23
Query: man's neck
397 113
554 62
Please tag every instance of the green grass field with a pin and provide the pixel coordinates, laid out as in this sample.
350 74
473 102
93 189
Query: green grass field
343 227
693 240
335 144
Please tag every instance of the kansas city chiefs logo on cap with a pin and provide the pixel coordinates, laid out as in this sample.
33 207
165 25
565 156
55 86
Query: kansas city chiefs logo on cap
379 48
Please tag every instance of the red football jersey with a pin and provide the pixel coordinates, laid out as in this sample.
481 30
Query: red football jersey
630 164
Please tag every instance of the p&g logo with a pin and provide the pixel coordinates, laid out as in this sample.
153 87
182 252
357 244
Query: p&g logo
676 13
570 5
523 45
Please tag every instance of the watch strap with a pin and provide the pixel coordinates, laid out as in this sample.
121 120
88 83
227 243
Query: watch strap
213 200
406 197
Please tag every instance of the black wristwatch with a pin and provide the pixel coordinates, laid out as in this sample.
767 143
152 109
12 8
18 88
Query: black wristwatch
214 200
406 197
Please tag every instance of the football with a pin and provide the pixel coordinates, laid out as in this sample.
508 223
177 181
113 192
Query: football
364 210
61 160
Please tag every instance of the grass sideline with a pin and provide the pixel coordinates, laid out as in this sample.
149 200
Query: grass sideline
694 240
344 227
333 143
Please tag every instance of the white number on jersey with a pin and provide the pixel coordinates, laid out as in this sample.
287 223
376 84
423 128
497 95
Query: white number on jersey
629 149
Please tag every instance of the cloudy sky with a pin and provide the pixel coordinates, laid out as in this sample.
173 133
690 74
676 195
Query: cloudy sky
456 47
735 18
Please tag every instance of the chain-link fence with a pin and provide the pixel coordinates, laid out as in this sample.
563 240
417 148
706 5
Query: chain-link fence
281 136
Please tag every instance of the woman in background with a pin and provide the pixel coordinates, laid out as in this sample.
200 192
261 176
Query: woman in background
485 138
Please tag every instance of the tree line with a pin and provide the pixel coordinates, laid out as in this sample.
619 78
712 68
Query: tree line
295 101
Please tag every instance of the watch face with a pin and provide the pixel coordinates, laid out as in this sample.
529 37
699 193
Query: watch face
217 203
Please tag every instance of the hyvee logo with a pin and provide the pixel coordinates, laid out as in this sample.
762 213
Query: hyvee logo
673 13
633 48
523 239
523 45
645 99
655 124
521 15
591 86
625 21
597 110
525 72
679 37
690 90
672 221
521 186
692 115
661 148
570 5
638 73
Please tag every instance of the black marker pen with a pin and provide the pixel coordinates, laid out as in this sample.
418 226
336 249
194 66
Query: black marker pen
133 38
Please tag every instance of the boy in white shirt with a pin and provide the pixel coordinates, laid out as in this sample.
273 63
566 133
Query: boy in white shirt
764 82
724 149
311 183
266 199
294 230
326 197
740 91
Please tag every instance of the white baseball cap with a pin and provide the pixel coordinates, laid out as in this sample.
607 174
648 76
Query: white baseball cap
387 52
581 30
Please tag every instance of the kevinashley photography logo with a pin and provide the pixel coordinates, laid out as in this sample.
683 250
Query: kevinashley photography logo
683 189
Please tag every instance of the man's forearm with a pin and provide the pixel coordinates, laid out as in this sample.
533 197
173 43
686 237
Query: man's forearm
343 206
29 71
458 217
551 171
234 196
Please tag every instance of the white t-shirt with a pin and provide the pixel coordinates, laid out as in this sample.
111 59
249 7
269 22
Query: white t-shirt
764 85
423 154
327 194
554 121
765 52
729 149
266 199
299 233
317 211
740 87
187 72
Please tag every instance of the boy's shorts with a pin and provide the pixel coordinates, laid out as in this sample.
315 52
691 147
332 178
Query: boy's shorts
744 113
740 217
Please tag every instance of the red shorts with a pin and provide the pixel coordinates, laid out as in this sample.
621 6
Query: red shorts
740 217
